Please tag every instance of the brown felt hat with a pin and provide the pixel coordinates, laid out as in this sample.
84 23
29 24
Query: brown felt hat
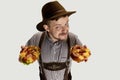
52 10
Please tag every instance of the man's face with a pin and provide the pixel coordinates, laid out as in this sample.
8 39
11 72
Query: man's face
58 30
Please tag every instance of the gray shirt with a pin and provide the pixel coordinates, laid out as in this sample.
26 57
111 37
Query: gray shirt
54 52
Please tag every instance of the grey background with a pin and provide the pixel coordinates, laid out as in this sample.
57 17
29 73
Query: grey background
96 23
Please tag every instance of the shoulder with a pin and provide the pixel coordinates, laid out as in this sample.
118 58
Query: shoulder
34 40
72 35
37 35
74 39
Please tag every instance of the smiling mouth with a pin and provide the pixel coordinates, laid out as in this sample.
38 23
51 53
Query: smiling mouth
63 34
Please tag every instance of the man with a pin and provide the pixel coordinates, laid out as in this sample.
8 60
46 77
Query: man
54 40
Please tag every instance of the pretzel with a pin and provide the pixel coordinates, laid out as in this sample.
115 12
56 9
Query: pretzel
29 54
79 53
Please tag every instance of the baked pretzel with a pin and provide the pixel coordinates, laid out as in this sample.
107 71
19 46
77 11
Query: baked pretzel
79 53
29 54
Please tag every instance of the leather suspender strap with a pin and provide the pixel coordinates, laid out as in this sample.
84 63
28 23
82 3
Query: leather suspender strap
42 73
67 75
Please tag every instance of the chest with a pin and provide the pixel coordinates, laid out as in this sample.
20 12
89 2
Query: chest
57 52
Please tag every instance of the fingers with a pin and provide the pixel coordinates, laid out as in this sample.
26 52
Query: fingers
22 47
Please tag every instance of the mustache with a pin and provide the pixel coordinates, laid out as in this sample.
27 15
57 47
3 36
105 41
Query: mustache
63 33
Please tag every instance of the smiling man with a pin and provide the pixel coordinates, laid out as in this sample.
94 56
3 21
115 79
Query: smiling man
58 29
54 40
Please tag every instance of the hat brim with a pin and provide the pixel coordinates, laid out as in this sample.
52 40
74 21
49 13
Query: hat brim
40 25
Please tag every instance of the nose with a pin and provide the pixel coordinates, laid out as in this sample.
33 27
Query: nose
65 29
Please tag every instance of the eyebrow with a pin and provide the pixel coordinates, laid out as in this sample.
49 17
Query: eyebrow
60 24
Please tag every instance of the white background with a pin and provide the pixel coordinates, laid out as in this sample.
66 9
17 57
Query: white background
96 23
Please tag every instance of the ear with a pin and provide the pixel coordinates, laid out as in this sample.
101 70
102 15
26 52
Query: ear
46 27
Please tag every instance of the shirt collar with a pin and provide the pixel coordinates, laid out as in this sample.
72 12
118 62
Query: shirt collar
50 40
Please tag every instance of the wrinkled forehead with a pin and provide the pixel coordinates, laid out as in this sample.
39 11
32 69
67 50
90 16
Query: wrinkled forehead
61 21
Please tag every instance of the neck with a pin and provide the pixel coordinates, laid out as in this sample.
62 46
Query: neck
52 38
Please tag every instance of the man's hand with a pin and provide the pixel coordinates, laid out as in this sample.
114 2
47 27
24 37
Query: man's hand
79 53
29 54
